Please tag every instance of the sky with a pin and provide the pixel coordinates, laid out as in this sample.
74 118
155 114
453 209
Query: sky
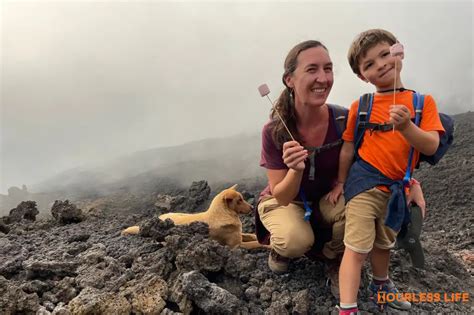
82 82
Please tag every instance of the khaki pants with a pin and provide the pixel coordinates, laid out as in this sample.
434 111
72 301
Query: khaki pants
365 222
291 236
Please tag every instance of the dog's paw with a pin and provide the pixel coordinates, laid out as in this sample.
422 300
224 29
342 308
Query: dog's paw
133 230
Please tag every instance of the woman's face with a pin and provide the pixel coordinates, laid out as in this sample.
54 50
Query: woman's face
313 78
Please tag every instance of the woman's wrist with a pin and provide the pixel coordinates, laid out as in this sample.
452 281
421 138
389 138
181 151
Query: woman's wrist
296 171
414 182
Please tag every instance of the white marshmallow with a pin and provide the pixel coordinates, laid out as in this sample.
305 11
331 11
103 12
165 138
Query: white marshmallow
397 50
264 90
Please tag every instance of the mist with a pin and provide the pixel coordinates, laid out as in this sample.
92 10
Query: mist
83 82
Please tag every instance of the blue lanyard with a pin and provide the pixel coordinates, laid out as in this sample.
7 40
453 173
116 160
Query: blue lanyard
307 208
418 100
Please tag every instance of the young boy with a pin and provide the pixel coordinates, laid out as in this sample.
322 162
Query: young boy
376 203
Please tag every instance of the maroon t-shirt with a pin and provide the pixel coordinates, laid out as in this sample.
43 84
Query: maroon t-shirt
326 165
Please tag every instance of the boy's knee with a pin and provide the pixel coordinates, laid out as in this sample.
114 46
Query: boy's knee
293 243
354 256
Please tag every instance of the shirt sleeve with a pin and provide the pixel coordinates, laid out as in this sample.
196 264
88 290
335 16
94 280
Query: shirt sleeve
430 120
271 157
348 134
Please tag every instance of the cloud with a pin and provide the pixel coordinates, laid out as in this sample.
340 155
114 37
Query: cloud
86 81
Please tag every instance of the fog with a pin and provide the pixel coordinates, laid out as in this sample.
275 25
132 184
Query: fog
84 82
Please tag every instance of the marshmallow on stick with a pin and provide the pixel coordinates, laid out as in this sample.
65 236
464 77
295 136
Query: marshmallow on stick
264 91
396 50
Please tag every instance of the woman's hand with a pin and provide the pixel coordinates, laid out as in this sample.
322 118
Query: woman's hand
416 196
294 155
335 193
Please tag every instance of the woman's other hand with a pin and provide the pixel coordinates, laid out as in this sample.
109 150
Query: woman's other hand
335 193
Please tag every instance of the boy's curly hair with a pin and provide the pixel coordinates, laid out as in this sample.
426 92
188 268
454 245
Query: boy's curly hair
363 42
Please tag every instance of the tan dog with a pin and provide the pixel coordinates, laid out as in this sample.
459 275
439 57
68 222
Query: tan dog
222 217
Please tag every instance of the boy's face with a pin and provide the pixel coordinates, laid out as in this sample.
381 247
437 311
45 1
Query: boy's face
313 78
378 67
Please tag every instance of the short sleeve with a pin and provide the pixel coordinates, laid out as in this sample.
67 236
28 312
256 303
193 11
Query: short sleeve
430 120
271 156
348 134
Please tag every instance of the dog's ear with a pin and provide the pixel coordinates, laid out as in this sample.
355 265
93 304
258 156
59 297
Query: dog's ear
229 196
233 187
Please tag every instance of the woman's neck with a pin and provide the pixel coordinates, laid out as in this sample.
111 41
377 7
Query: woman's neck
309 116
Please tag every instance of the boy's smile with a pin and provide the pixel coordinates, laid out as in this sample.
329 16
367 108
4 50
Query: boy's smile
386 72
378 67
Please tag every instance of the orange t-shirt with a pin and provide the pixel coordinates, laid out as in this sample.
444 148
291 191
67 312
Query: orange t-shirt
388 151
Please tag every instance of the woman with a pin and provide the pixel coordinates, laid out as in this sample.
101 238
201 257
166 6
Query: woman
304 169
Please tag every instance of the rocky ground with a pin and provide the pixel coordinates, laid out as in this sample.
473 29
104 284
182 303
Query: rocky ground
75 261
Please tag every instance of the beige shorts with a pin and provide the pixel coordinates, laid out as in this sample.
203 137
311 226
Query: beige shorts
291 236
365 227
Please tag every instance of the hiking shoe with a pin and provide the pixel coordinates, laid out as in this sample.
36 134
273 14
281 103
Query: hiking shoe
381 290
277 263
332 272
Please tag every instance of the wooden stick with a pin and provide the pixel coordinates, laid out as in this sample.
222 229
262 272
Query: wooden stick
394 90
283 122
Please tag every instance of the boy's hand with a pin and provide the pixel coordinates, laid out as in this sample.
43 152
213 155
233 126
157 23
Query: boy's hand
335 193
294 155
416 196
399 116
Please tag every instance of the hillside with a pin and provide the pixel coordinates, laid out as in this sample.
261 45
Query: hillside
85 266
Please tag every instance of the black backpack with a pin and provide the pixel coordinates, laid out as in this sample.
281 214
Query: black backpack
363 117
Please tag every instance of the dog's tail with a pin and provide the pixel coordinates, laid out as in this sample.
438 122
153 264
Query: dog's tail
132 230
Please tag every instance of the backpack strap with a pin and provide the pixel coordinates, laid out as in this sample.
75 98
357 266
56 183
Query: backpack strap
418 103
339 117
363 117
